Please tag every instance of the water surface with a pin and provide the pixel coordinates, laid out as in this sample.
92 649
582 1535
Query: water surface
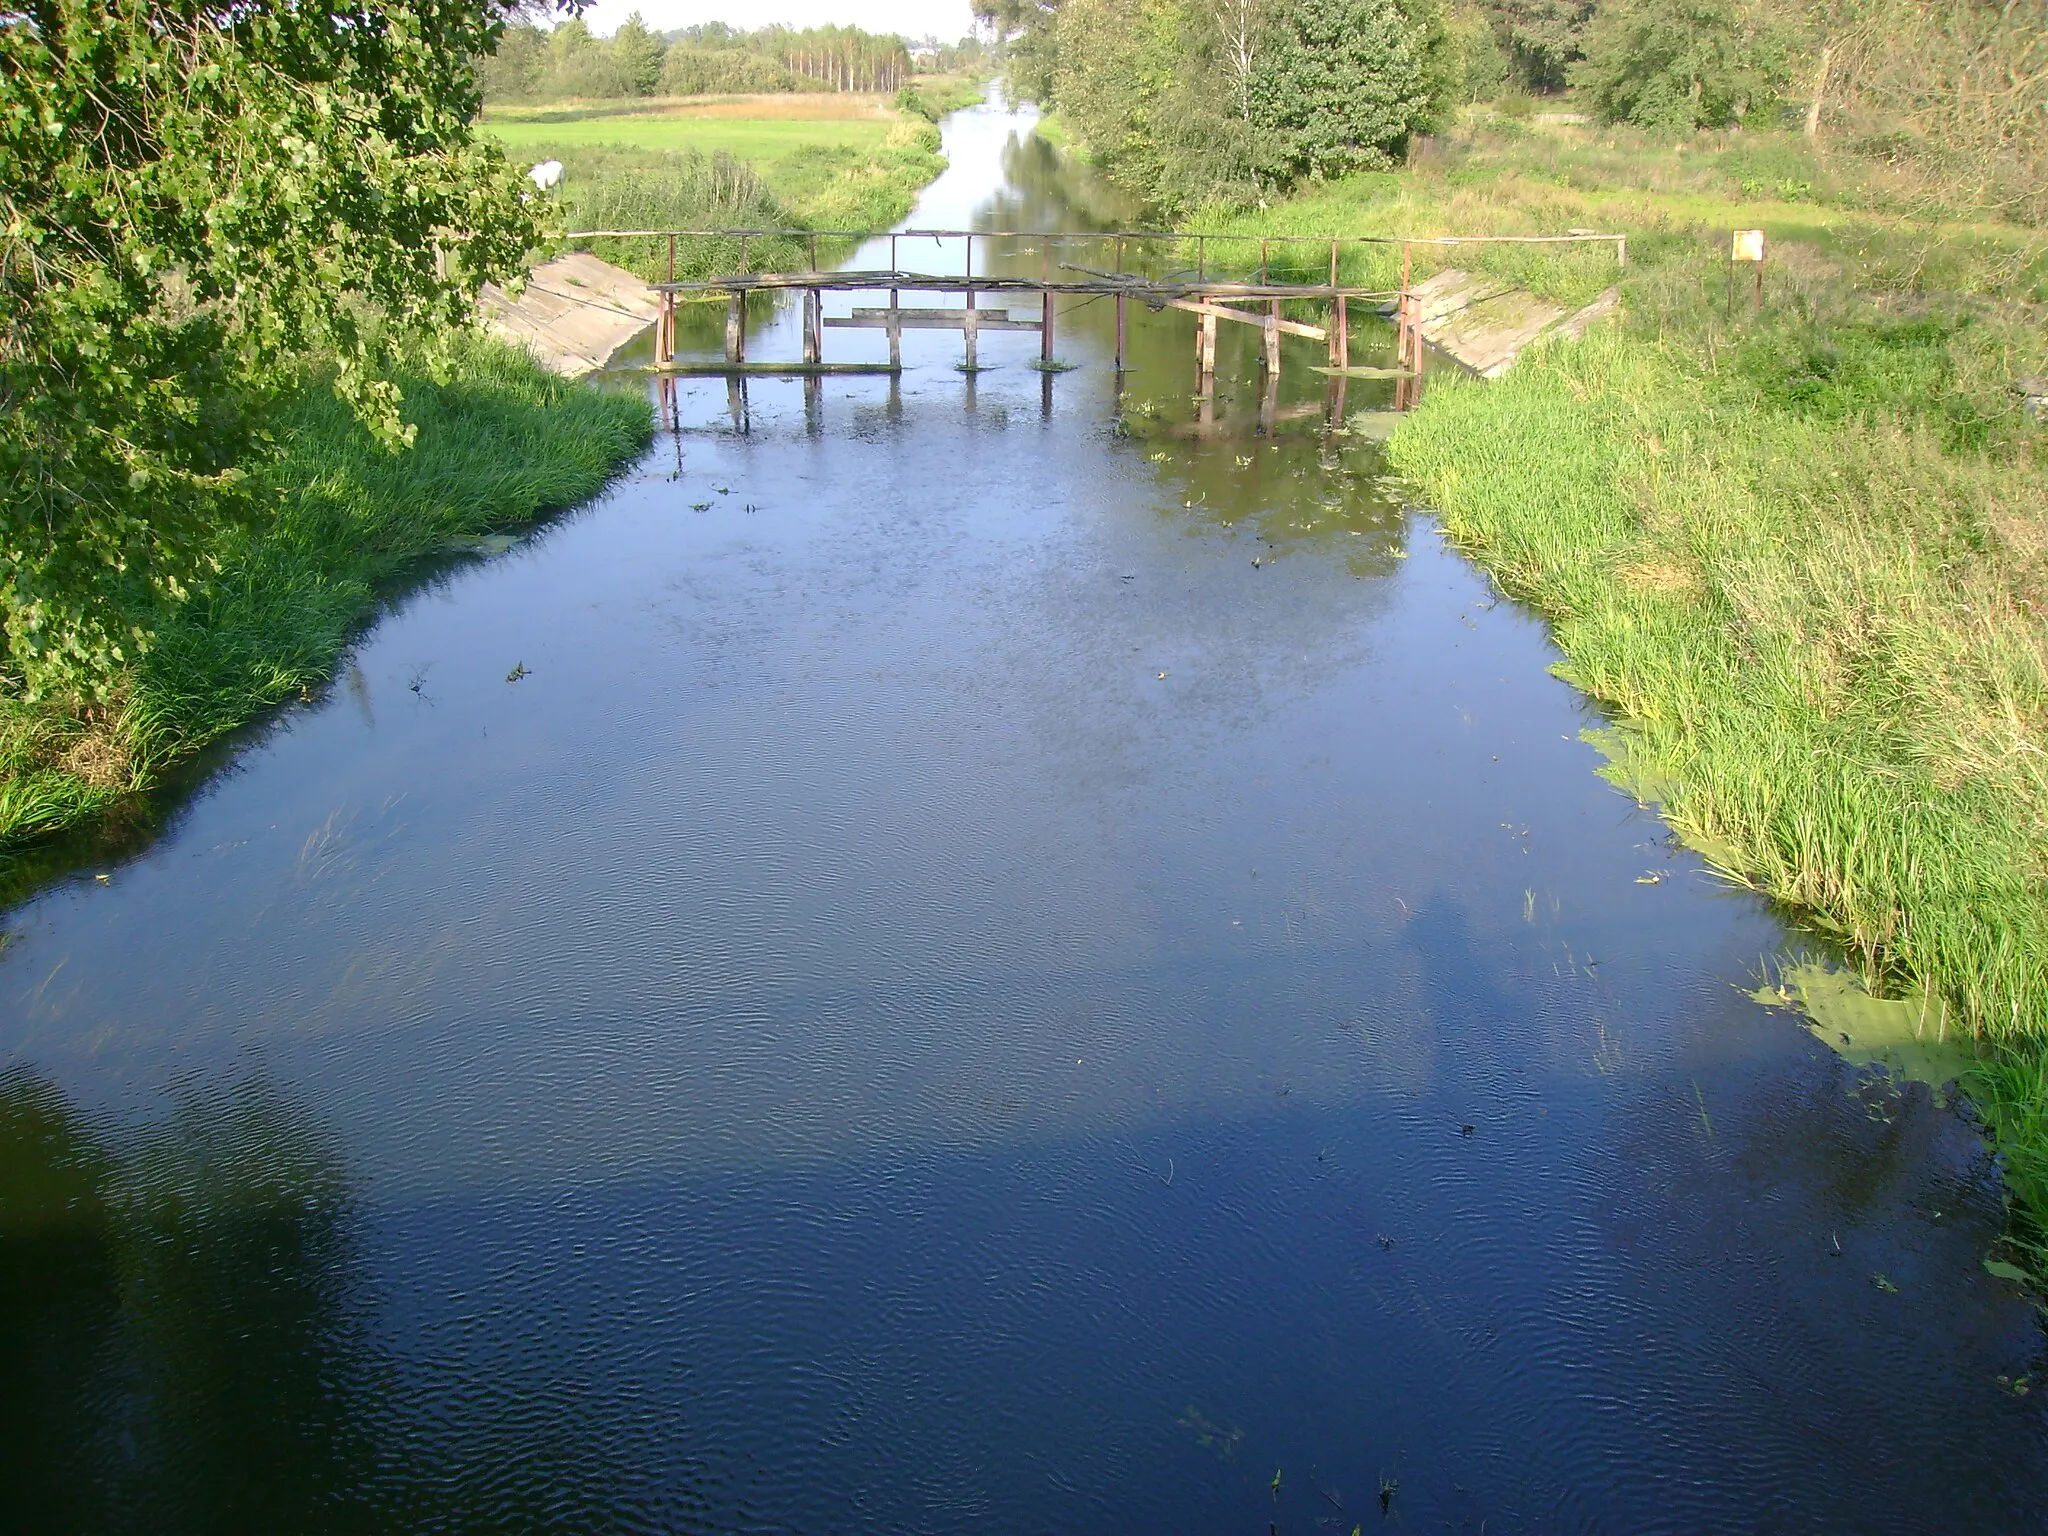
1012 964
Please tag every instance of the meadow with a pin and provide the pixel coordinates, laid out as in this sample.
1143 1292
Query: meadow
780 161
766 132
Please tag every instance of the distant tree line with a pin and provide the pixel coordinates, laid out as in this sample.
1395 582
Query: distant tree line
1191 101
536 64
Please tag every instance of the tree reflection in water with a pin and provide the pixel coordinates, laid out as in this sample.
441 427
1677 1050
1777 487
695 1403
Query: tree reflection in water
183 1314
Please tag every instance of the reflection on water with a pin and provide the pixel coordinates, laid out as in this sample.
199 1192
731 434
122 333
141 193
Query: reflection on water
1017 959
181 1307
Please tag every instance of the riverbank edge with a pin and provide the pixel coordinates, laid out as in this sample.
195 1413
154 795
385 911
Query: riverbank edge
343 528
1536 479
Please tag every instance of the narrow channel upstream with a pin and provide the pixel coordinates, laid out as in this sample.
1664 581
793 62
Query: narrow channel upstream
1011 965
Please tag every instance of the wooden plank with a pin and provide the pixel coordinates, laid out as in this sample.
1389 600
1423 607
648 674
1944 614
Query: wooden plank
1161 291
710 368
930 320
1225 312
1361 373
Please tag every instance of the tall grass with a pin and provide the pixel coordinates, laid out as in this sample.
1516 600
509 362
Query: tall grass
850 186
500 443
1804 559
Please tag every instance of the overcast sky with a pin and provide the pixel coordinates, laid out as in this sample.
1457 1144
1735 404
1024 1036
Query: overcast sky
946 19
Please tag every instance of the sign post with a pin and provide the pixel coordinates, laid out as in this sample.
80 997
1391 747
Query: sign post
1748 245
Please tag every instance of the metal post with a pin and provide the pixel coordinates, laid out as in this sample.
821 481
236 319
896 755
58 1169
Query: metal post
671 258
1333 263
743 253
1120 306
1201 257
1262 262
814 253
1045 328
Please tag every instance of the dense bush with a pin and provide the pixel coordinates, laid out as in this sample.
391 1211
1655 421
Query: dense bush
1188 103
193 198
703 72
1683 64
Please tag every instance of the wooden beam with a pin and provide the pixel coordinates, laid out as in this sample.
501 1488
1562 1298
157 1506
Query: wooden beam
1225 312
930 320
704 368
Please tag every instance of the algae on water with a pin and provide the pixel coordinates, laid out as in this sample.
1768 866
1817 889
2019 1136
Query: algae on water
1909 1038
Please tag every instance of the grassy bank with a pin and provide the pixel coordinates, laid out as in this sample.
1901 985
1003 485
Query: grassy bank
336 523
1801 554
839 161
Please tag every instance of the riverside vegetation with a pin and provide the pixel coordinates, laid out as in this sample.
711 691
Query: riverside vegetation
1800 551
239 394
843 161
293 412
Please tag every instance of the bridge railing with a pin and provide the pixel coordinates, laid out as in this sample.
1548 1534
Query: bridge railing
1118 238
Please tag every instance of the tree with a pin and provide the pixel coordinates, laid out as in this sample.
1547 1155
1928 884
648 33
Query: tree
1343 85
194 198
1026 33
1544 38
1682 64
638 53
1240 30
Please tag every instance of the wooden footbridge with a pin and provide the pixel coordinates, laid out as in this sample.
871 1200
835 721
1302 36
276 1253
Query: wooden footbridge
1282 285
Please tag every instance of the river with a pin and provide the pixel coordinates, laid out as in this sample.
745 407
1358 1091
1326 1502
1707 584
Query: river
972 957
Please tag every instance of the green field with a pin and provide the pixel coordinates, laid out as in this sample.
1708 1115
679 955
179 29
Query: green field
768 144
826 162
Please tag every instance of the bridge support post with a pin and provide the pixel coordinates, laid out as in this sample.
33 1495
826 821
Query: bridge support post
1121 303
1273 340
970 331
736 328
1045 328
1205 353
895 316
814 306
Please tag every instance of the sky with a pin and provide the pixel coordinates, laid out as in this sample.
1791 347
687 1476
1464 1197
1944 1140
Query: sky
946 19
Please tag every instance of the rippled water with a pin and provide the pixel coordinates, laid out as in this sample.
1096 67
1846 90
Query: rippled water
1013 966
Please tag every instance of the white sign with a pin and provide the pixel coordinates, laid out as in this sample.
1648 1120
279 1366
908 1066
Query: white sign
1749 245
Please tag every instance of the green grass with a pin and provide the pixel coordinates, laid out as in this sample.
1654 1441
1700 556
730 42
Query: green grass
500 444
1801 556
660 169
766 144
